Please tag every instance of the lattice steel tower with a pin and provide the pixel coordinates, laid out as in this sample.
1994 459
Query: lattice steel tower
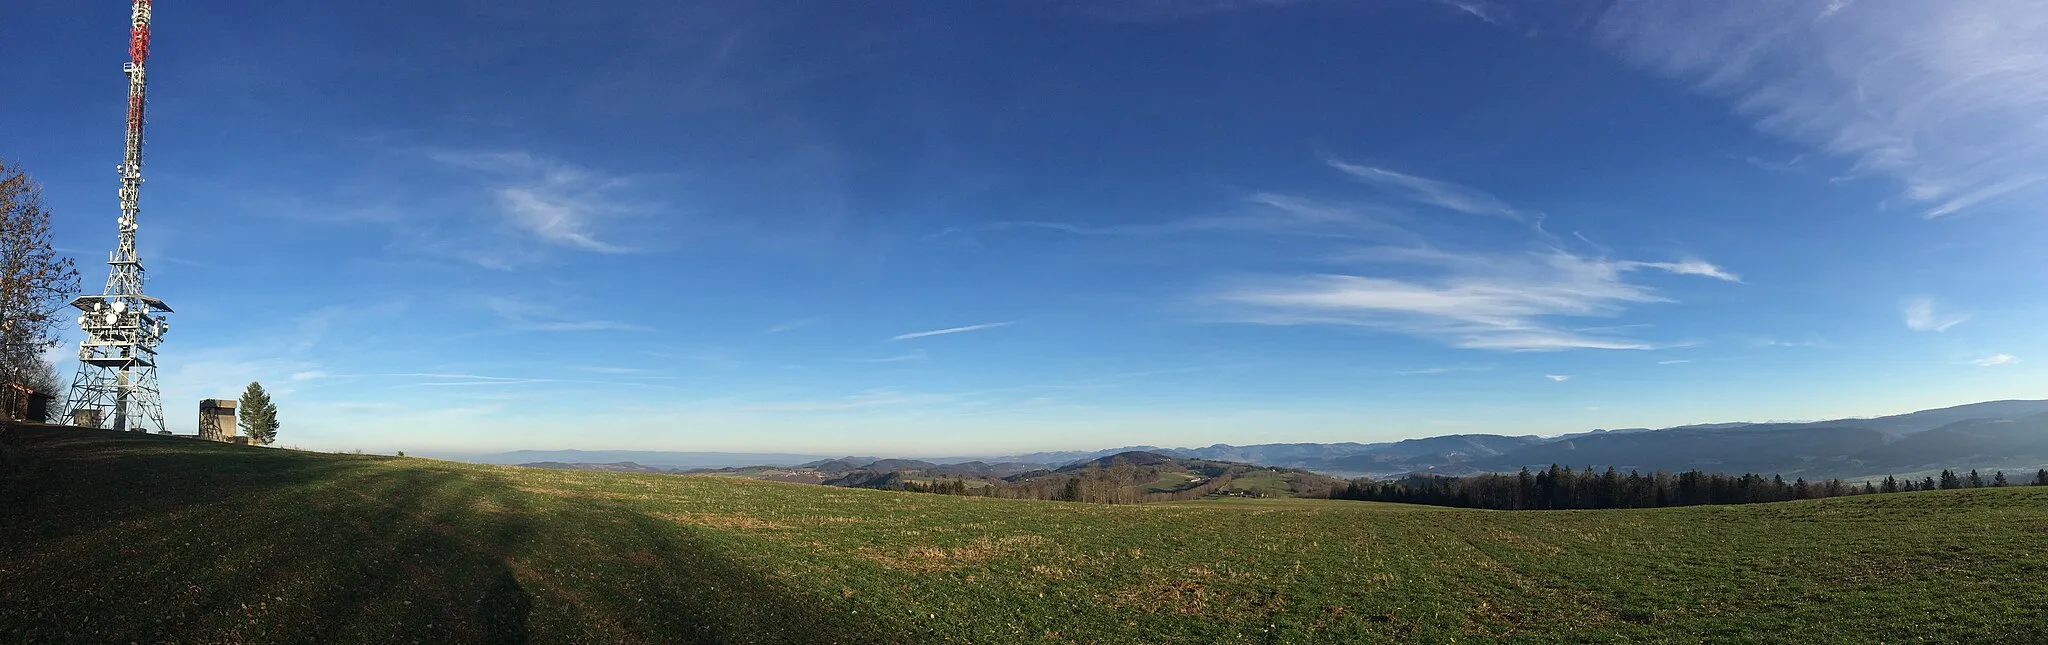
116 378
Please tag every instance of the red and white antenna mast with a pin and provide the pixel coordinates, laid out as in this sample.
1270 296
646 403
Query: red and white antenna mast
116 378
131 163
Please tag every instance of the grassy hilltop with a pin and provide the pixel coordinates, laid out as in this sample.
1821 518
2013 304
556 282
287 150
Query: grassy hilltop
107 537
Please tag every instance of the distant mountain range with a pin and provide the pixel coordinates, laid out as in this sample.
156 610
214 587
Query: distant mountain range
1997 434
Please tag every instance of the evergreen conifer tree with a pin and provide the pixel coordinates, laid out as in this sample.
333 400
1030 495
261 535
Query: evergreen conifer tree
257 415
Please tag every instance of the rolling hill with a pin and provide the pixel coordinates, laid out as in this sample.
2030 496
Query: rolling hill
1995 434
116 537
1139 476
1149 477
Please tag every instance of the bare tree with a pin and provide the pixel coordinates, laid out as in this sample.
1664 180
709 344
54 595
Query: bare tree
35 282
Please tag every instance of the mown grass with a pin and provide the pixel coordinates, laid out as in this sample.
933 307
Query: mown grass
129 538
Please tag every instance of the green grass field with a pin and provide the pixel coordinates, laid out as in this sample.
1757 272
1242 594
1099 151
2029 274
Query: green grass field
132 538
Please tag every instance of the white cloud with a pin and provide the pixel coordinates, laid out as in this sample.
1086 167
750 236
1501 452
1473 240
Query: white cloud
868 399
1558 377
443 379
527 315
308 375
1943 97
555 202
1923 314
492 382
555 217
1474 299
1680 361
1441 194
951 330
1693 267
787 326
1271 214
1500 301
917 355
579 325
1780 342
1489 12
1789 165
1995 360
1168 10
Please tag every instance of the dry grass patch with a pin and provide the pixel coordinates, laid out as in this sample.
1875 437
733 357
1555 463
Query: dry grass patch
1198 593
1524 542
721 521
927 559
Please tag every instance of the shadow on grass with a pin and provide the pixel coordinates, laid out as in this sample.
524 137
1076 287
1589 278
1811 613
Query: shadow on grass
122 537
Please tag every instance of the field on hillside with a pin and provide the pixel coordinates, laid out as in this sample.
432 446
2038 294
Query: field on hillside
134 538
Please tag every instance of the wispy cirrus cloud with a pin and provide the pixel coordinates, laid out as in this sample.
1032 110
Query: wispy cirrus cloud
1924 314
867 399
916 355
1262 213
1486 11
1943 97
1477 300
1431 371
1514 300
604 369
1700 268
554 202
1788 165
1769 341
527 315
1429 192
486 383
1558 377
1995 360
1167 10
1677 361
951 330
790 325
457 379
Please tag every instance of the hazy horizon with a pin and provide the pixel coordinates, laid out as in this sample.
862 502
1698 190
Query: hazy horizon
927 454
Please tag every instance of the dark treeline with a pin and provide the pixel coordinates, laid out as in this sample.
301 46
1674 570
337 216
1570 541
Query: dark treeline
943 487
1563 488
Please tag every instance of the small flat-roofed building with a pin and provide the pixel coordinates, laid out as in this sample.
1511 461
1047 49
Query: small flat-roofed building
21 403
217 419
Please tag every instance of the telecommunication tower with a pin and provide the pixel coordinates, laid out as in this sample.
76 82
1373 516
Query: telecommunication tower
117 361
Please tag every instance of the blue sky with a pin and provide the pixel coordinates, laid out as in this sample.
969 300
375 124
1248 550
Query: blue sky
926 228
